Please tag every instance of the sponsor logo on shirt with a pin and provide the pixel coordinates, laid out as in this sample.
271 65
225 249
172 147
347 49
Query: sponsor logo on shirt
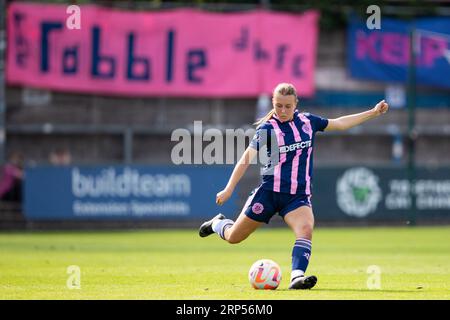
296 146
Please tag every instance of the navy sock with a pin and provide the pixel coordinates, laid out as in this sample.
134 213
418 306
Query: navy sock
300 257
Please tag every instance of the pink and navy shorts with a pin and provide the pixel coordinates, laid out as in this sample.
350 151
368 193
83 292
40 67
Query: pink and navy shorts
263 204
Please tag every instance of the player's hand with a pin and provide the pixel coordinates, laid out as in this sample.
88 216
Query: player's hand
380 108
223 196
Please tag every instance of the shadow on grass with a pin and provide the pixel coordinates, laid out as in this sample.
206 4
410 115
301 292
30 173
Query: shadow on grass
353 290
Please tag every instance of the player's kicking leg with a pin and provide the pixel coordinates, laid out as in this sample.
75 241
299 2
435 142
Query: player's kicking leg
206 228
232 232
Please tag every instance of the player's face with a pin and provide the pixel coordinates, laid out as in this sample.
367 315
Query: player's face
284 106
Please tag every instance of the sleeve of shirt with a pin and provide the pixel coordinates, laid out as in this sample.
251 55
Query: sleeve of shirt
318 123
261 137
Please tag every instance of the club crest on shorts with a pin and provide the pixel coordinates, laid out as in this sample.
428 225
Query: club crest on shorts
257 208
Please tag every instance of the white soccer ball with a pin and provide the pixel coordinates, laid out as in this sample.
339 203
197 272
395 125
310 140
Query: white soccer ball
265 274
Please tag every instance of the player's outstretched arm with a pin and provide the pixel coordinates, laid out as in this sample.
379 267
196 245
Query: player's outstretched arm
352 120
236 175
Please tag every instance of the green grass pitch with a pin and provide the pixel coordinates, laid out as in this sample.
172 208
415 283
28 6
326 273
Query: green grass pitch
177 264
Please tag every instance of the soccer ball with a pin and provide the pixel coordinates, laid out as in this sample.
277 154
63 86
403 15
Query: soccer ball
265 274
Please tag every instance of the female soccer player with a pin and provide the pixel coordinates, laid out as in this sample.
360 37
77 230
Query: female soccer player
287 178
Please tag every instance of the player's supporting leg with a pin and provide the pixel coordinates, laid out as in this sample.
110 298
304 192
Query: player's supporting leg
301 221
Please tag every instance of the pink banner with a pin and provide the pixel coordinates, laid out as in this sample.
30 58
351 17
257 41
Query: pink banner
166 53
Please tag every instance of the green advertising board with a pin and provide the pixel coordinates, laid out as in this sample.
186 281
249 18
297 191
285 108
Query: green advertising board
375 193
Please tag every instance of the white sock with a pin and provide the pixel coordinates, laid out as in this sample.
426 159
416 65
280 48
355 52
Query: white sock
297 273
214 225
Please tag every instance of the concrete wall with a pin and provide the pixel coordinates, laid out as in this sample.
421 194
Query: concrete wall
167 114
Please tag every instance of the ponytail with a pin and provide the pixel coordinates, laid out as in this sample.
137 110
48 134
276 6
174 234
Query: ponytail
266 118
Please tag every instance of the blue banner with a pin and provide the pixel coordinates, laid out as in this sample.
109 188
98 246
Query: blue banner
384 54
125 192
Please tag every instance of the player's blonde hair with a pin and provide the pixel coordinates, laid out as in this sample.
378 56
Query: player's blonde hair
285 89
